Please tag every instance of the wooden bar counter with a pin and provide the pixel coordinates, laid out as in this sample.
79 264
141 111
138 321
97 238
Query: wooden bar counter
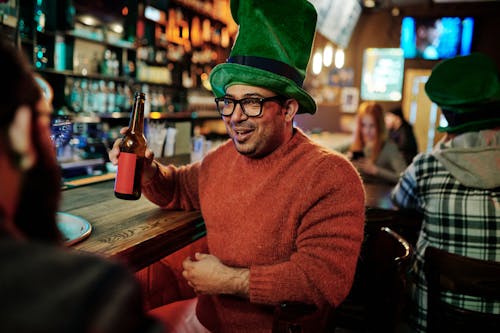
137 233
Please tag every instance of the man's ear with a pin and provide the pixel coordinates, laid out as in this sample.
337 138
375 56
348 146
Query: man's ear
291 109
20 137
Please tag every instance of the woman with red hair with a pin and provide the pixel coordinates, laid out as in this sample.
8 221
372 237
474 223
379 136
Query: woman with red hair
375 156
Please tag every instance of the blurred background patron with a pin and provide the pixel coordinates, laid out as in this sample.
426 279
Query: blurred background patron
375 156
401 132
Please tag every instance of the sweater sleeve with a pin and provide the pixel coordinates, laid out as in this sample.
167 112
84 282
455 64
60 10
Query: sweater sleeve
174 187
330 232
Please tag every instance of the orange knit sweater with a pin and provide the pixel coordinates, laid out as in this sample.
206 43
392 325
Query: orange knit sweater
294 217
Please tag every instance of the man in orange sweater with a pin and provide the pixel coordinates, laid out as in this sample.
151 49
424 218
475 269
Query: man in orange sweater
284 216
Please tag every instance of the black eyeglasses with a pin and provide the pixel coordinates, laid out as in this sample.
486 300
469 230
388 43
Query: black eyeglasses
251 106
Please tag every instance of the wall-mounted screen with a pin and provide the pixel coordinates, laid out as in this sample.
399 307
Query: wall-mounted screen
436 38
382 76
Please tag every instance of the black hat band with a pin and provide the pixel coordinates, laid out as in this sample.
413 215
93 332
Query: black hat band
455 119
270 65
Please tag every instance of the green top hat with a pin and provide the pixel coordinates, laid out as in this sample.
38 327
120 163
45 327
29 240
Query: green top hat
271 50
467 88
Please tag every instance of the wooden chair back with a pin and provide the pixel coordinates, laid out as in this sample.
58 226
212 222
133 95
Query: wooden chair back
446 271
374 299
377 294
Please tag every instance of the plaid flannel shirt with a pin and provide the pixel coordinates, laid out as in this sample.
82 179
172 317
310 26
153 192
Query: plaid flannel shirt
458 219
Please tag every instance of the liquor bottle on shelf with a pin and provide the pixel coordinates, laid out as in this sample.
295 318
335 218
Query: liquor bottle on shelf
94 90
114 65
147 104
132 154
86 96
128 97
105 65
39 15
111 105
40 56
59 53
76 97
102 97
120 98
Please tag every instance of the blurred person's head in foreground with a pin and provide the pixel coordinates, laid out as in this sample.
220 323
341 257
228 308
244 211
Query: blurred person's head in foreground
29 173
467 89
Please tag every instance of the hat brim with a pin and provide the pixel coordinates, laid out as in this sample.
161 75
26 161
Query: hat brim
224 75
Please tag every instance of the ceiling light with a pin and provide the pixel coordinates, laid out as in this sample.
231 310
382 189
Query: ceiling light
89 20
116 27
339 58
327 55
317 63
369 3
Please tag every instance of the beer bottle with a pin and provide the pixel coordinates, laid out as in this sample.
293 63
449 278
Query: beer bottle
132 152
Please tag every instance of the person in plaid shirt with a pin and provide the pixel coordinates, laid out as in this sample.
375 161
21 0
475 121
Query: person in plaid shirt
457 185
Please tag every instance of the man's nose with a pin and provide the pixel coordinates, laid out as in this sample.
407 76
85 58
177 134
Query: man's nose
238 114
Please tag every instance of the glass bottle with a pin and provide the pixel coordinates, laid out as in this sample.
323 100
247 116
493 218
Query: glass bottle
86 98
102 97
76 97
120 98
111 104
94 90
39 15
132 154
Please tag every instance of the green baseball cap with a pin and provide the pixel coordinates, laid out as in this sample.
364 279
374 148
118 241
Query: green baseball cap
272 49
467 88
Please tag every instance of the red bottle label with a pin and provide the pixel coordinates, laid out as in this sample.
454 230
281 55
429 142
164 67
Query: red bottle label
124 182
